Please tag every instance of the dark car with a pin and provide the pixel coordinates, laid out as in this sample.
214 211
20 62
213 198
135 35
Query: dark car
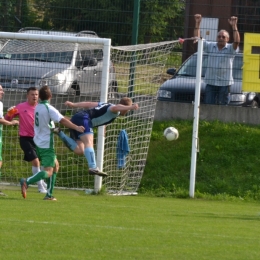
181 87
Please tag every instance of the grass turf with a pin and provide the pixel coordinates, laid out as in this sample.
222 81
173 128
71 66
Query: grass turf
80 226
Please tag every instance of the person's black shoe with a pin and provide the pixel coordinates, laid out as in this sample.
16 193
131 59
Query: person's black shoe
97 172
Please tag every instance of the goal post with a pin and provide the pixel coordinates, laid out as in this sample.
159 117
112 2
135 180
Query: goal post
106 46
32 59
195 130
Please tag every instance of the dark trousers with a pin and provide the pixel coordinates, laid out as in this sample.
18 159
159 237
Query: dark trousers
216 95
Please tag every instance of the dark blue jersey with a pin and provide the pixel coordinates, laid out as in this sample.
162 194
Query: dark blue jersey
101 115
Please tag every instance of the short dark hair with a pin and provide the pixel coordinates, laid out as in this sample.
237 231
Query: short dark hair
45 93
126 101
31 88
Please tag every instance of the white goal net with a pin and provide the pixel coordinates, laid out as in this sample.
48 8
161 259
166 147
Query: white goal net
78 67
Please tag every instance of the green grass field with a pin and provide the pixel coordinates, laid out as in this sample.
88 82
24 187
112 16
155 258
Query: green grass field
80 226
227 162
222 222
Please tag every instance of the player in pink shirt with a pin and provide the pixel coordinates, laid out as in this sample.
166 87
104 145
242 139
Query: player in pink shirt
25 112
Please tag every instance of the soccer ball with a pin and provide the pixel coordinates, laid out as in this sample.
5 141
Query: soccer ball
171 133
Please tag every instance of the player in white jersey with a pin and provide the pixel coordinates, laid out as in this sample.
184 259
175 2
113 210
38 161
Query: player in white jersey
44 117
97 114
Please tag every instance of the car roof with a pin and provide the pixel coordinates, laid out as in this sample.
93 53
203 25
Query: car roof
37 30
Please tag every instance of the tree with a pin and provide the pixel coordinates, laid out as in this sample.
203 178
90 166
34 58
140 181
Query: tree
114 18
158 18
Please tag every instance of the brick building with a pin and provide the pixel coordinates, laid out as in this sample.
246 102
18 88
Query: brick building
247 11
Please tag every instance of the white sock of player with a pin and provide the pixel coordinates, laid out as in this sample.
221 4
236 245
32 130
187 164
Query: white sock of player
40 183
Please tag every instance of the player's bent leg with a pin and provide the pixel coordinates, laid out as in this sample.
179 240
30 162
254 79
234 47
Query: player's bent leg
89 153
24 187
50 190
91 158
41 184
37 177
69 142
52 180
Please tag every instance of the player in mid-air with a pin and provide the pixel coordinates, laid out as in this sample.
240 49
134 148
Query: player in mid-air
44 117
25 112
95 114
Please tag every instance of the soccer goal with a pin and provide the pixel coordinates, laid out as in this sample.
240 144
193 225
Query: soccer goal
84 67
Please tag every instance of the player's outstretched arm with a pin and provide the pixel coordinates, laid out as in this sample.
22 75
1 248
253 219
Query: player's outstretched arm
11 113
64 121
81 104
5 122
123 108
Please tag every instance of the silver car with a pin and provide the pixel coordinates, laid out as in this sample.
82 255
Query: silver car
181 87
67 68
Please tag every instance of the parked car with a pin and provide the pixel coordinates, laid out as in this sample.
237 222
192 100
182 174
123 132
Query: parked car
181 87
67 68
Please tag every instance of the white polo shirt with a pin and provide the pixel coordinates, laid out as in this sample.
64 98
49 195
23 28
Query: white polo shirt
44 117
220 64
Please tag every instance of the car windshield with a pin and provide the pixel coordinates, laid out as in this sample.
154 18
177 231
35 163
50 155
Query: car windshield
188 69
61 57
38 51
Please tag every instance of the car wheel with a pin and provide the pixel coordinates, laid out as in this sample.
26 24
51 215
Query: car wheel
254 104
112 91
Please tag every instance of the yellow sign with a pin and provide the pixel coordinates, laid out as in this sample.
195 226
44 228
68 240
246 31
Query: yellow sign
251 58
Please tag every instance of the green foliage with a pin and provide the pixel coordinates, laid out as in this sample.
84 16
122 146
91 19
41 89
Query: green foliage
156 19
111 19
227 161
7 14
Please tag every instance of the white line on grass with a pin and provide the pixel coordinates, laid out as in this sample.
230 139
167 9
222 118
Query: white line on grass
194 234
69 224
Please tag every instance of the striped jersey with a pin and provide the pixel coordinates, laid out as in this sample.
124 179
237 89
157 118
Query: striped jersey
101 114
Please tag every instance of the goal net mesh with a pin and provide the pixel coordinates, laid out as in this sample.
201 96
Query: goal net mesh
135 71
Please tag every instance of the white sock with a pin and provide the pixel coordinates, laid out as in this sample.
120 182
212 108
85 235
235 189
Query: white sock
34 171
44 184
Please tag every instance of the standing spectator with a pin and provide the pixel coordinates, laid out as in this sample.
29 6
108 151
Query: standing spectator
44 117
3 122
25 112
96 114
221 54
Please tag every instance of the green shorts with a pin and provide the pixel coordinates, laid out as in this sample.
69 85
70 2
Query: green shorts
46 156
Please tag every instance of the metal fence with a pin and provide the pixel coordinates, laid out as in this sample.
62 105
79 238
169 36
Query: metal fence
122 21
151 20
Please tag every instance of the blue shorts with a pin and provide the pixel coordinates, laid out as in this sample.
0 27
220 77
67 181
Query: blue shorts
81 118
